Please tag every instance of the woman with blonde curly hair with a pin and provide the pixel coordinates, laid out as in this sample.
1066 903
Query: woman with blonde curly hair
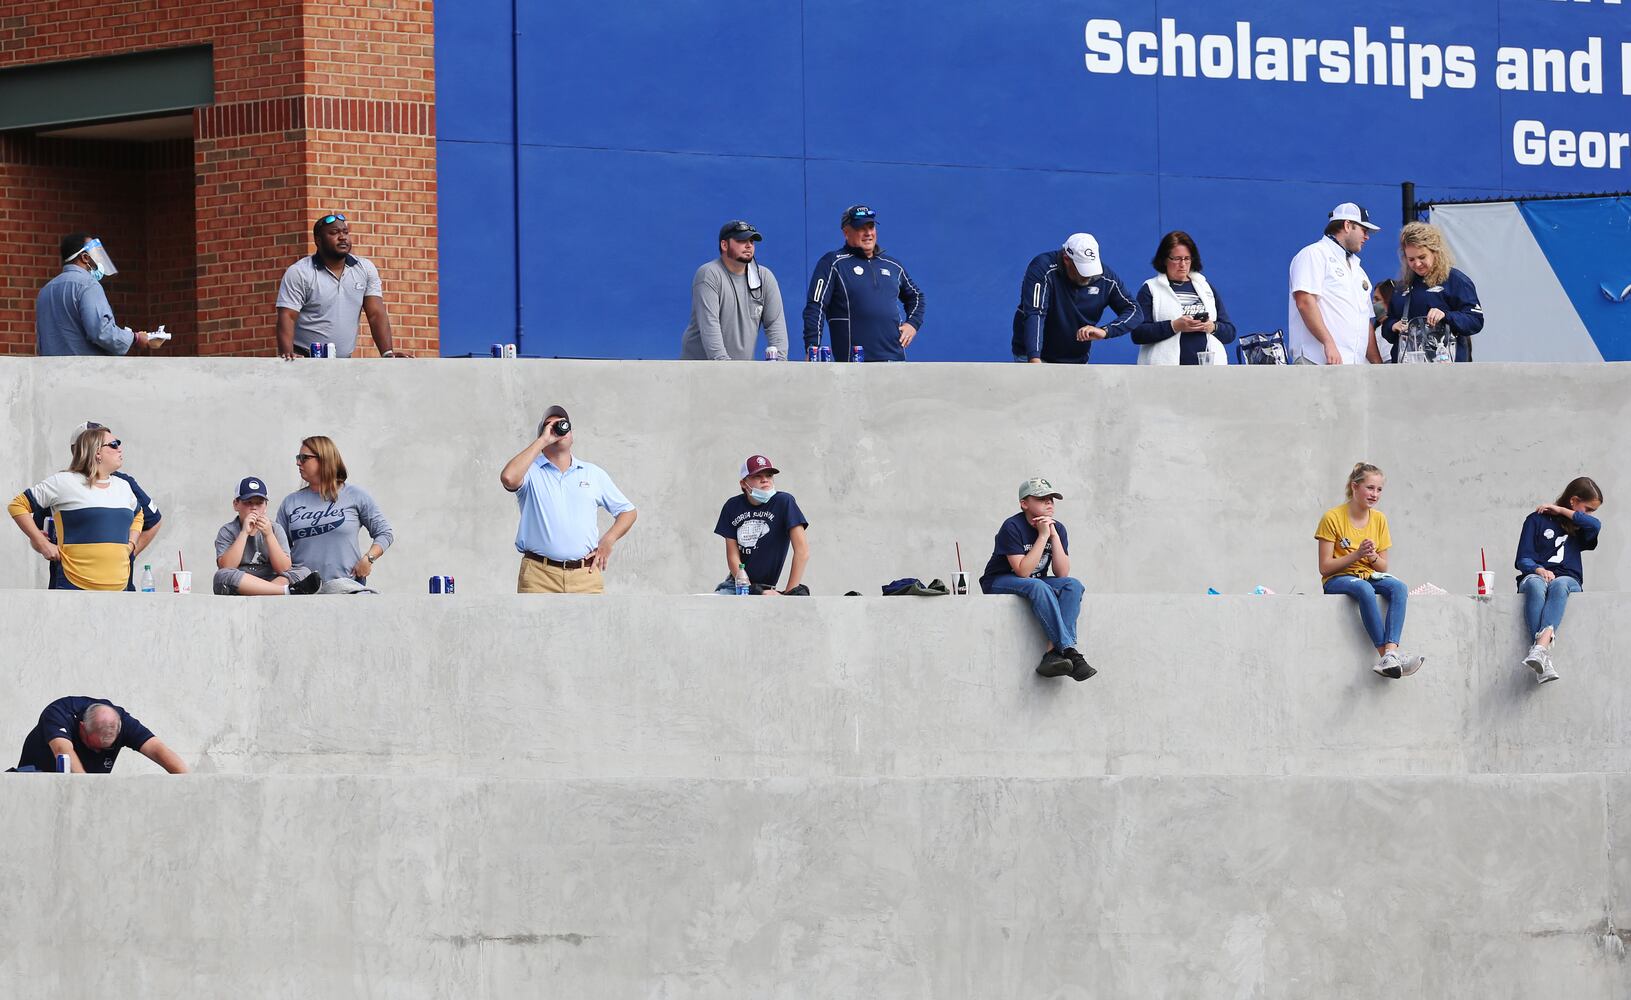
1431 287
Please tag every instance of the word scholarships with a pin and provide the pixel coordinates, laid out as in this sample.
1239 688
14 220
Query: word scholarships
1359 59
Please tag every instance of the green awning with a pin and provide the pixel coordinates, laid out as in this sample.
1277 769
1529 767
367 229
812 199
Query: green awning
78 91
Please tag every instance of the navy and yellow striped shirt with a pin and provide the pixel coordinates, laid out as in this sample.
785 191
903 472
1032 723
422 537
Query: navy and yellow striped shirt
95 527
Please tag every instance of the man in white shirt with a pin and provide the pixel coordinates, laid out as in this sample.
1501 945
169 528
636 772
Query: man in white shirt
1330 310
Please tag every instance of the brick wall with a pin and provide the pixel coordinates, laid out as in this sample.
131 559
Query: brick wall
318 107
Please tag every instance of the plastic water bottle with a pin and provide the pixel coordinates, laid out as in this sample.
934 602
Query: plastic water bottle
147 579
743 588
1443 354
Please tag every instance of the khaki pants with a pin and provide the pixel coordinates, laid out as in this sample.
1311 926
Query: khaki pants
539 577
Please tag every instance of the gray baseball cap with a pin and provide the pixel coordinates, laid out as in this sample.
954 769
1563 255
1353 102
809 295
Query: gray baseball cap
1038 487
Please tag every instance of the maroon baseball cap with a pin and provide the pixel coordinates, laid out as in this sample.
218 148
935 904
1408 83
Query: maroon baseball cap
756 464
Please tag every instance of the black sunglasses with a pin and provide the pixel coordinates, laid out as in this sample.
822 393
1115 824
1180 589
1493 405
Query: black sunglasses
115 443
325 220
302 456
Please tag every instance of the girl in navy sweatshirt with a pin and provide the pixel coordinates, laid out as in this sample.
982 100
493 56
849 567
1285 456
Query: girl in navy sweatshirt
1548 565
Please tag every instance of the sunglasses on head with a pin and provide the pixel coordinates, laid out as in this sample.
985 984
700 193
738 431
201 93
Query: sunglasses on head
335 217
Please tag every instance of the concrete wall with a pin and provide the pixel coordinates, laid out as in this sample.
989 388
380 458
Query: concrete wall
650 795
1273 888
625 686
1174 480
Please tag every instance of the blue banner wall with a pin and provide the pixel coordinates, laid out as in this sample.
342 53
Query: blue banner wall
1588 244
586 179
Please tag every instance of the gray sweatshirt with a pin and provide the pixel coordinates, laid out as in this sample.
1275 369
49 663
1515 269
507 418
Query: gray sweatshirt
726 315
323 536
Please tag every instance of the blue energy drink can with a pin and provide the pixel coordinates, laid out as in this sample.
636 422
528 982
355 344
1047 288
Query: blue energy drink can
322 349
857 355
826 353
812 353
441 585
498 350
63 767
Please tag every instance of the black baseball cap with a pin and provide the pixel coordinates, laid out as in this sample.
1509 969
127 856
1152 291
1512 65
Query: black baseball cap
856 216
740 231
250 487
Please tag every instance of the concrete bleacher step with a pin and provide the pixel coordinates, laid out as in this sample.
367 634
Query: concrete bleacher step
1155 886
1175 479
629 686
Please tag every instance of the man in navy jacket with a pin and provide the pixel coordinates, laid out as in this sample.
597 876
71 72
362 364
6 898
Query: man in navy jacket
1062 299
859 291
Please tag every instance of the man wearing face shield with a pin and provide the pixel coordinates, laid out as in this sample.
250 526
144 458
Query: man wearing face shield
72 317
731 298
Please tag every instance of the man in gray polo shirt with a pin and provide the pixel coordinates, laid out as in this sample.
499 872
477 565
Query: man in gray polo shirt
321 297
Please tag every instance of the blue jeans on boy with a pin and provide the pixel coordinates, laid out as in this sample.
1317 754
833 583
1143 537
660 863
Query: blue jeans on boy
1365 592
1057 601
1543 602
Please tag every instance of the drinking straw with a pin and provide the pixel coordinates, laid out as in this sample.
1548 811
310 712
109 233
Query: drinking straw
179 564
959 556
1483 563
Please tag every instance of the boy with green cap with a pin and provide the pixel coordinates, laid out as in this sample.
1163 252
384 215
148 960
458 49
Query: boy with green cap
1031 558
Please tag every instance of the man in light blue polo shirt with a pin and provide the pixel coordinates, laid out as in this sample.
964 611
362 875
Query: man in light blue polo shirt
562 549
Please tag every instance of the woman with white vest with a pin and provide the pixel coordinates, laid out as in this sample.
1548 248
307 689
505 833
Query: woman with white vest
1183 314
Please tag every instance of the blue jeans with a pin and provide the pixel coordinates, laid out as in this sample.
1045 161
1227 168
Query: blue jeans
1365 593
1543 602
1057 601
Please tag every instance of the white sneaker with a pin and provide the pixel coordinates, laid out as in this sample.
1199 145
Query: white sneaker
1546 672
1390 666
1536 658
1410 664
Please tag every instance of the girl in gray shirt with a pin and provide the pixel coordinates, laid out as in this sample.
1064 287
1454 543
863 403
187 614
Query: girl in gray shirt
324 520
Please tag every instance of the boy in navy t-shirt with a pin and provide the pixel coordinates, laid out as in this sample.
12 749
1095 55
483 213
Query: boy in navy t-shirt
759 525
1031 558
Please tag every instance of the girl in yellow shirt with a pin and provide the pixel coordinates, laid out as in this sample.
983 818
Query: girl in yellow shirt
1353 551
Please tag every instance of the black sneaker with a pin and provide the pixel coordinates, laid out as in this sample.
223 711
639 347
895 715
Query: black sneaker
1080 669
307 584
1054 664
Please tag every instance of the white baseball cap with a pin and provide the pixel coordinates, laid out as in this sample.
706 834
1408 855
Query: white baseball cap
1350 212
1083 251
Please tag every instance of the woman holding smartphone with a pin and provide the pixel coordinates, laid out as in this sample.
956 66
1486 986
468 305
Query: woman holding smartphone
1183 314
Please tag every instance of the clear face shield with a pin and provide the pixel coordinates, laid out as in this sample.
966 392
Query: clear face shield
99 257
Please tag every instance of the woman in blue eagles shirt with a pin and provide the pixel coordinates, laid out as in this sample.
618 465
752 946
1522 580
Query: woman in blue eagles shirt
1549 568
1431 287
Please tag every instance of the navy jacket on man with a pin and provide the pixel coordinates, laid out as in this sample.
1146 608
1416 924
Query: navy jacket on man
1457 297
860 298
1052 308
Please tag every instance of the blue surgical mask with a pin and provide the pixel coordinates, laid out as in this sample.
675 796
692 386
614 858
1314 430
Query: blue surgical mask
96 274
761 496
